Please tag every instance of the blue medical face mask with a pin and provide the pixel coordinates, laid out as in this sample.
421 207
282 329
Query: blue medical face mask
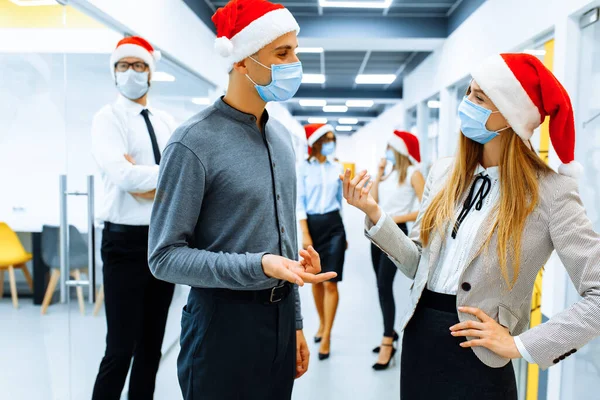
285 81
390 156
328 148
473 119
131 84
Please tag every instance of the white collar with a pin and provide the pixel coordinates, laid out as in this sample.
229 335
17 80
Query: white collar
493 172
132 107
313 160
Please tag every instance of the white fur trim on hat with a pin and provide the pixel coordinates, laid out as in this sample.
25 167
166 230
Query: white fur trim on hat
133 50
398 145
261 32
502 87
319 133
572 169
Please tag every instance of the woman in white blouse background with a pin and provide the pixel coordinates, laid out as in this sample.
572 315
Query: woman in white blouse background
489 220
397 194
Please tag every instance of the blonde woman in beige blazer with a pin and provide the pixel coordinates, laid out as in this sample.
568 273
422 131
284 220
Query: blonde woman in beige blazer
489 220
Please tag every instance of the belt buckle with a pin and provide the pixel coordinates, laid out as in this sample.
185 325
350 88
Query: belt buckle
271 299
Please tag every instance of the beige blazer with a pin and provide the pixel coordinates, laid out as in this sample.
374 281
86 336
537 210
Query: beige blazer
558 223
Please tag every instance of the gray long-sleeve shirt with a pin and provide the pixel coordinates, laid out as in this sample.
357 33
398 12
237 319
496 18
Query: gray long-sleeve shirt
226 195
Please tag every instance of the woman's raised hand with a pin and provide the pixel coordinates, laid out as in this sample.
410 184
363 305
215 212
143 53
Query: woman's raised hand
357 193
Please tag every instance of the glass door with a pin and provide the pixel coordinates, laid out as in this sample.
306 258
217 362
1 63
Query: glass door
88 87
32 157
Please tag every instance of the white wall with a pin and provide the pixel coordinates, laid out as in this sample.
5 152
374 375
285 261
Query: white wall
169 25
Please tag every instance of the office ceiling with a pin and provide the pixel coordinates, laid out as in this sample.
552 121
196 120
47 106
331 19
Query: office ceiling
340 64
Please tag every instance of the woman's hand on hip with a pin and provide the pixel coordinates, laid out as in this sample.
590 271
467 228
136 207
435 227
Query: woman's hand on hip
357 193
487 333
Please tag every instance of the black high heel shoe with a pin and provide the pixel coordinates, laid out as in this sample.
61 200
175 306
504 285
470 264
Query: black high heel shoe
396 337
318 339
324 356
381 367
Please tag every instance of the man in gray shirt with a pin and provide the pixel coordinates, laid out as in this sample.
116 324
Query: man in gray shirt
224 220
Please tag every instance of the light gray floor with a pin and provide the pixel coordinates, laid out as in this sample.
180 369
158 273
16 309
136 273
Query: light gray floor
37 361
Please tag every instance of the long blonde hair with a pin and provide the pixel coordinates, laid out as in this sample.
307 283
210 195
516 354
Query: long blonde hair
402 164
520 169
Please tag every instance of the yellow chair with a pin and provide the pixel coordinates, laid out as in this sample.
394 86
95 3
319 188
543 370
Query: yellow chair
12 256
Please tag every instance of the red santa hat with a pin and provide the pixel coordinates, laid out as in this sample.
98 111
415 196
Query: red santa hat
525 92
315 132
134 46
406 144
246 26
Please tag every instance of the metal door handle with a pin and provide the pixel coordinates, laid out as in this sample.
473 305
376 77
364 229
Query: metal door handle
64 241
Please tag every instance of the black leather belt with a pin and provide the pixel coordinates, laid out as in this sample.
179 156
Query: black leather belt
267 296
119 228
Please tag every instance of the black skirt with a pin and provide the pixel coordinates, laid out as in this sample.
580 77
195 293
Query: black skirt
434 366
329 240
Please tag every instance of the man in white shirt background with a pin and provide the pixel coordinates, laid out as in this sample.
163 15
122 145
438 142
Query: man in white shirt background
128 137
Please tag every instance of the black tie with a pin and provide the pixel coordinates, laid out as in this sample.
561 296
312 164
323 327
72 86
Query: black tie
152 136
476 200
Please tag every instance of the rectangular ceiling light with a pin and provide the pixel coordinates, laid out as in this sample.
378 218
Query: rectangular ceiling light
201 101
348 121
356 4
31 3
317 120
341 128
433 104
375 79
535 52
360 103
313 78
314 50
313 103
335 109
160 76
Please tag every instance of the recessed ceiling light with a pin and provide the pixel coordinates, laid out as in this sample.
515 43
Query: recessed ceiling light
160 76
334 109
356 4
31 3
342 128
348 121
317 120
433 104
360 103
313 103
375 79
535 52
202 101
313 78
313 50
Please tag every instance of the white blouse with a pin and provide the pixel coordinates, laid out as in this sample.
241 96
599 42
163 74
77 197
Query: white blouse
446 275
397 198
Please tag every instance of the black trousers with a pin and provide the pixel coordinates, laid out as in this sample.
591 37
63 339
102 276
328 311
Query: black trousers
385 271
434 366
136 314
234 350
